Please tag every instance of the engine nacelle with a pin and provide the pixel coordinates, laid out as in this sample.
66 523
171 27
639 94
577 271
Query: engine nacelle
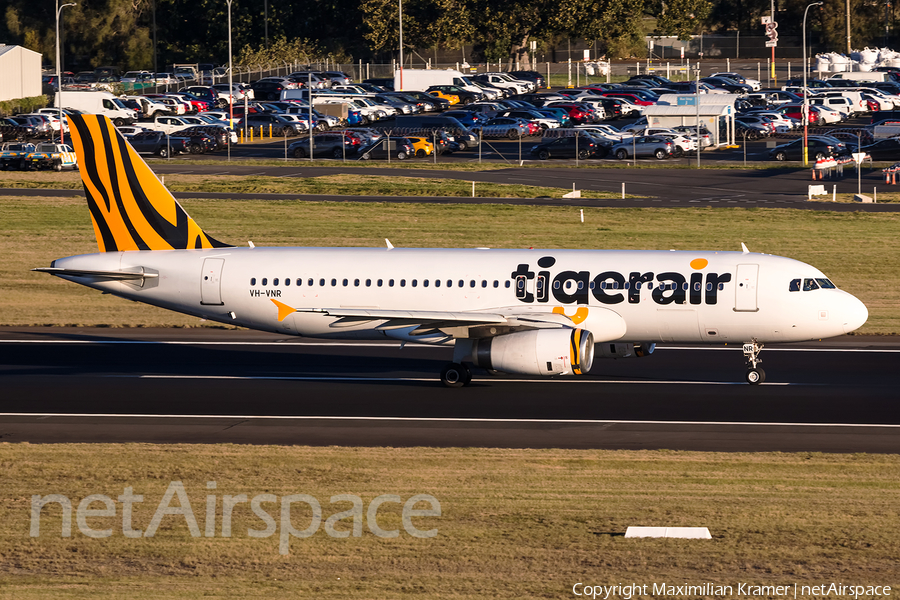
624 350
537 352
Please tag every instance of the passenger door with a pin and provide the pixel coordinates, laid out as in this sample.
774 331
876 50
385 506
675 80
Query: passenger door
211 282
745 288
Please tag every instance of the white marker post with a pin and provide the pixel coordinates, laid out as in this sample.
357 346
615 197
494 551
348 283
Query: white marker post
623 190
582 215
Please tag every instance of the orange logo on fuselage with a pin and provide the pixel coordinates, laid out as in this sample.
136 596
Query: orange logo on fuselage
580 314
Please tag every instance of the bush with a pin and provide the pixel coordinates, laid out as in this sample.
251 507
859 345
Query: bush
22 105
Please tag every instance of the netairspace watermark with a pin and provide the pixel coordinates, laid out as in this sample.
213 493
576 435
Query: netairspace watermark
628 591
284 525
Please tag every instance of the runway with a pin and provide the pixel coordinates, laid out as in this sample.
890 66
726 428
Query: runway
211 385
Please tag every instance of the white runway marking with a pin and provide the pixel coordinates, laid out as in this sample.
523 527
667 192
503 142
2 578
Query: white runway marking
397 345
450 420
491 380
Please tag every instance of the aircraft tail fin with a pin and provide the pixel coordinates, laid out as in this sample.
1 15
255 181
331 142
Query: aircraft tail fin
130 208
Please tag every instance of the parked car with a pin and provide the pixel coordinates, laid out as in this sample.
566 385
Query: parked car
657 147
158 143
507 127
888 149
465 96
532 76
818 147
277 124
52 156
332 145
582 146
398 148
14 155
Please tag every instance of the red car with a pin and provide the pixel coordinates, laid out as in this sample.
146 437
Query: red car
577 113
633 98
795 111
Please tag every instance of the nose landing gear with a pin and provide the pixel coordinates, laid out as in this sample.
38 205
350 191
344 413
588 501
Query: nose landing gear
755 374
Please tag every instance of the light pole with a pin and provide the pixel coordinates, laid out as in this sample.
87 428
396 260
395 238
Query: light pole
58 76
805 113
401 45
773 47
230 82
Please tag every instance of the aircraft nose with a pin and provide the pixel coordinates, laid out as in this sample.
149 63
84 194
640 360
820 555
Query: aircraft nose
854 313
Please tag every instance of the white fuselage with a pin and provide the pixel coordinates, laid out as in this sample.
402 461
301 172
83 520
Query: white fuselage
628 295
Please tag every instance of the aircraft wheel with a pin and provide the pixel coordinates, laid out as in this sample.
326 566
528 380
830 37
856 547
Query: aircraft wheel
755 376
456 375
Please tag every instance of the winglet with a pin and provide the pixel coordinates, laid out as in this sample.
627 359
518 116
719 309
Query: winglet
284 311
744 248
390 246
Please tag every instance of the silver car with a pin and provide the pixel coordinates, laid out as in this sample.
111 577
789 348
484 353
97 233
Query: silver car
644 146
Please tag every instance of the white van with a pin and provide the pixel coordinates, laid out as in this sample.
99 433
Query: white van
422 79
97 103
857 102
861 76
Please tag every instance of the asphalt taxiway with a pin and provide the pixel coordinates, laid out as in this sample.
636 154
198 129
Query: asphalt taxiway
210 385
658 187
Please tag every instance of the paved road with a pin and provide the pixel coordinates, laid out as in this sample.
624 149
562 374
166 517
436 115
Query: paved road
211 385
772 188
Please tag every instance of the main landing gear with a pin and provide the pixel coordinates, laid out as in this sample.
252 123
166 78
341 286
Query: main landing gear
456 375
755 374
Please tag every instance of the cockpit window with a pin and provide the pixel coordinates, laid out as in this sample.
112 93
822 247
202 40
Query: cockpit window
826 284
810 284
795 285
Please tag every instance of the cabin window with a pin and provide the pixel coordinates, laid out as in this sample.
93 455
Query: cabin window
637 285
380 282
809 285
391 283
356 283
253 281
627 285
300 281
709 287
368 283
322 282
449 283
437 283
555 285
402 283
345 282
287 281
333 282
415 282
472 283
684 285
275 281
826 284
721 286
265 281
507 283
569 284
520 284
697 286
484 283
462 283
496 283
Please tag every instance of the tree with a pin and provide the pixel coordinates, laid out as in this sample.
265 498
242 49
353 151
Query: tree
682 18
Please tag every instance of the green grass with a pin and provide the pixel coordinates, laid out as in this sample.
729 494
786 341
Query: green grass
857 250
514 523
339 185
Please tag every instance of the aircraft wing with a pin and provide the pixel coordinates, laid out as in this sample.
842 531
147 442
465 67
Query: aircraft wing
516 317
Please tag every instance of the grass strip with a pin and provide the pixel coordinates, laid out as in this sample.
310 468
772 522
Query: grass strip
857 250
342 185
514 523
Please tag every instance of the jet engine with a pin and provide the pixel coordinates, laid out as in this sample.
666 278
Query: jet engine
537 352
624 350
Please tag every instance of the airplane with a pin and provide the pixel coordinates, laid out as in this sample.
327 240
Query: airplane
530 311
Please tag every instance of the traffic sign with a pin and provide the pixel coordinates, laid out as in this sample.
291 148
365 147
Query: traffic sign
687 101
766 20
771 43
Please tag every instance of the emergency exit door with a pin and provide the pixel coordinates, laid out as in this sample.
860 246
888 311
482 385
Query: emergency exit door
211 281
745 288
